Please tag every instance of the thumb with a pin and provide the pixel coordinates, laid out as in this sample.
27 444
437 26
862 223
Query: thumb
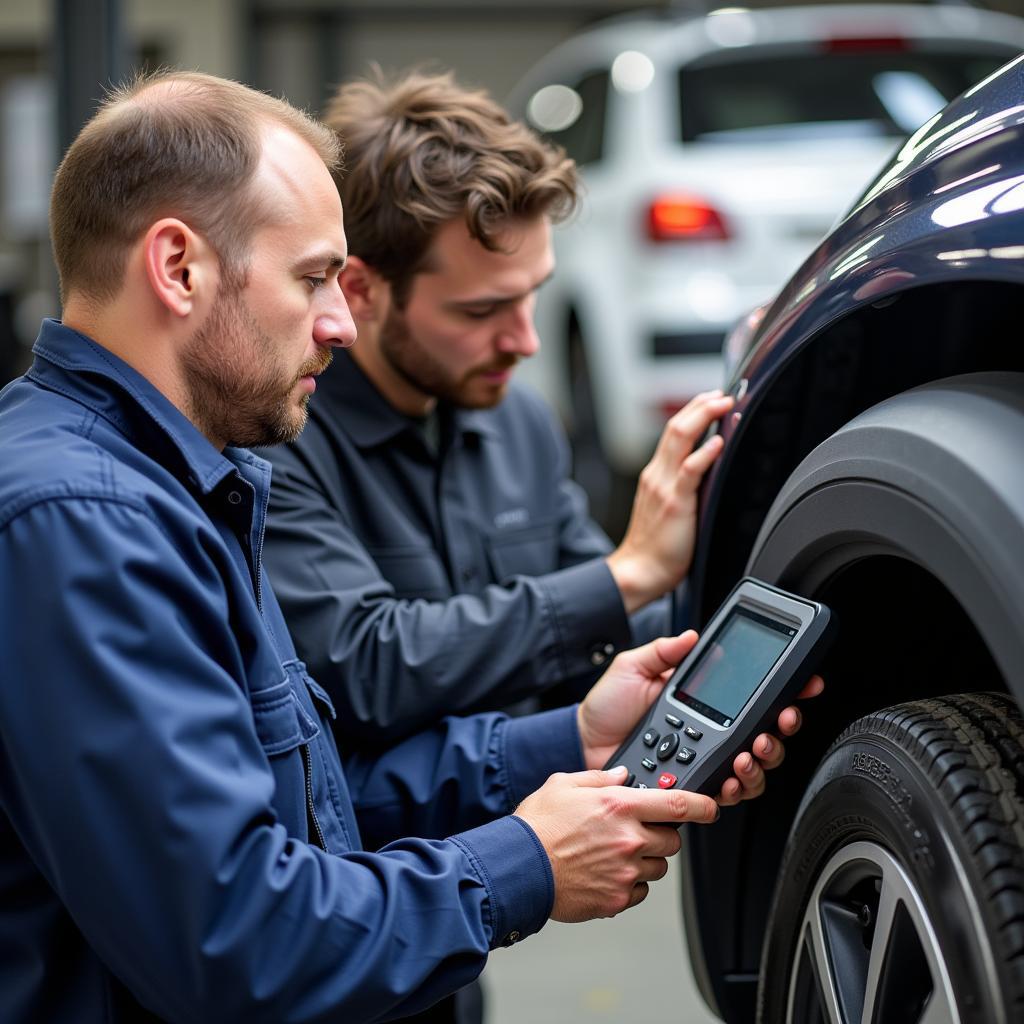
663 653
596 778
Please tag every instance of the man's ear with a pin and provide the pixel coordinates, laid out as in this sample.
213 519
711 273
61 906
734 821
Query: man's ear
366 292
181 267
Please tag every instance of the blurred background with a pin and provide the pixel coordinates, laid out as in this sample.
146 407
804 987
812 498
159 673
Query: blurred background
696 209
54 57
716 151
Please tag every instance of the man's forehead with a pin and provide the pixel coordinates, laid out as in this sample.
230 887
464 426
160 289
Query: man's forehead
292 163
297 192
523 260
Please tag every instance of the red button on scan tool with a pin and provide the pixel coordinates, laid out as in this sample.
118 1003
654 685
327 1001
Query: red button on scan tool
666 780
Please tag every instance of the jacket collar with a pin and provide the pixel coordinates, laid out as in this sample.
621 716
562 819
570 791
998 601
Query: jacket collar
76 366
354 404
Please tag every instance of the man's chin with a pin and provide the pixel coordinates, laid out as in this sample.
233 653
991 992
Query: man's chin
481 398
483 391
269 432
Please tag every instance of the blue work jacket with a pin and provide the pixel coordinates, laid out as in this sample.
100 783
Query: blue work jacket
177 835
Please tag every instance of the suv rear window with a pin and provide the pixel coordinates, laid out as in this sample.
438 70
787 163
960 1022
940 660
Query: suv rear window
583 137
808 95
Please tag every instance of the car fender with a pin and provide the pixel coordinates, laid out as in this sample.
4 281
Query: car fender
931 475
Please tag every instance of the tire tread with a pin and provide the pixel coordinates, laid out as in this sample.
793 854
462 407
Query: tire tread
971 747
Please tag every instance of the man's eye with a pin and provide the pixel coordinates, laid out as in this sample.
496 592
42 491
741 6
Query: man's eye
316 282
479 314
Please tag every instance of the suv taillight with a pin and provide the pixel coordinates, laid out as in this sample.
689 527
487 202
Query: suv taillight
866 44
683 218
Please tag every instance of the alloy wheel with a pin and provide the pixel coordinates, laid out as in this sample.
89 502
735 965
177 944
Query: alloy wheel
868 953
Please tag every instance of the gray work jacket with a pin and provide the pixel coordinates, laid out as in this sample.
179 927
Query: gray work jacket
418 585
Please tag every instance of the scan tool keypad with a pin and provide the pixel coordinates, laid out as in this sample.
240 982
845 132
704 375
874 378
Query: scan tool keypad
665 747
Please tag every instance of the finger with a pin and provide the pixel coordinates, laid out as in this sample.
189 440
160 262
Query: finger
790 721
750 775
748 782
638 895
769 751
682 432
661 841
700 399
815 686
699 462
677 428
664 653
672 805
696 409
595 778
730 794
653 869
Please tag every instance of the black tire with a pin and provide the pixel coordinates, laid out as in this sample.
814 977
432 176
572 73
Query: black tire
902 885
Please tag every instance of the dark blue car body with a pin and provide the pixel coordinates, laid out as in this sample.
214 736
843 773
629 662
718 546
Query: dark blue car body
921 282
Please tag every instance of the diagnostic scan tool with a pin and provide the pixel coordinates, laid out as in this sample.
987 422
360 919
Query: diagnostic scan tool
755 655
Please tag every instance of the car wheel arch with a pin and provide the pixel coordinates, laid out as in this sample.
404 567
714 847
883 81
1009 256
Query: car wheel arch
823 381
931 475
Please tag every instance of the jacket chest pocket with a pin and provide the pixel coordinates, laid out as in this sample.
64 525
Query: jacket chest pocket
282 724
289 728
532 551
413 572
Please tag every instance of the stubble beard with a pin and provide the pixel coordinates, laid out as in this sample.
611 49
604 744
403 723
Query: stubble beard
236 389
412 361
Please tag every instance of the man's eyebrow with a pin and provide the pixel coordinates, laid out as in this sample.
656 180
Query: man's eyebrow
495 300
320 261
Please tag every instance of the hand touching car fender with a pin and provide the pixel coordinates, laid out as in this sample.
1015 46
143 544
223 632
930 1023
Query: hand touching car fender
656 552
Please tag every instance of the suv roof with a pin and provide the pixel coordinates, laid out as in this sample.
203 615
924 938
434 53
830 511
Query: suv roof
672 39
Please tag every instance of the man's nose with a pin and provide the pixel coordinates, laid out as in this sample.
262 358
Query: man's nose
518 334
334 325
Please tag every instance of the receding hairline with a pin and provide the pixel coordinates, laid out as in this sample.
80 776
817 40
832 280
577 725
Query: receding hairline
149 89
171 143
164 87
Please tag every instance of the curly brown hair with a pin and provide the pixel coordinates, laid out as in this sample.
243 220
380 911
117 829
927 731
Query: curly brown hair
420 151
172 143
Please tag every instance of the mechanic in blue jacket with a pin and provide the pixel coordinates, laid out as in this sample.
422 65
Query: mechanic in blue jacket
177 836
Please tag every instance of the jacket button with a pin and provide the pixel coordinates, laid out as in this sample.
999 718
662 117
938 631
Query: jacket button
600 653
235 498
512 937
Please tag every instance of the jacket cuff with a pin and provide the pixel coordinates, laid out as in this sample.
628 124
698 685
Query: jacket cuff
535 746
589 616
516 872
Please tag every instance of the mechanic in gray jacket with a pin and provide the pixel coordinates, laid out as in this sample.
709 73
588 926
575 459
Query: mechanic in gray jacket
424 539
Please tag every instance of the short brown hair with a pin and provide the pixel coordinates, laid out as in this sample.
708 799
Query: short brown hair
419 152
179 144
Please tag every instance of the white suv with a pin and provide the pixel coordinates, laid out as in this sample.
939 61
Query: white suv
715 151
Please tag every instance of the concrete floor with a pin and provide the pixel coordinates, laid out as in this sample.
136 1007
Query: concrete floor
630 968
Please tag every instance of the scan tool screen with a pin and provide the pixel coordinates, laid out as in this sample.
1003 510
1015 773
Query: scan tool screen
734 665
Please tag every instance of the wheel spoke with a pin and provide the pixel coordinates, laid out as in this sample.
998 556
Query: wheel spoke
821 964
884 918
938 1010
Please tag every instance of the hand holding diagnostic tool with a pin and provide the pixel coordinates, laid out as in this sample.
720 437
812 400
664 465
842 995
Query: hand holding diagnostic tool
754 657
